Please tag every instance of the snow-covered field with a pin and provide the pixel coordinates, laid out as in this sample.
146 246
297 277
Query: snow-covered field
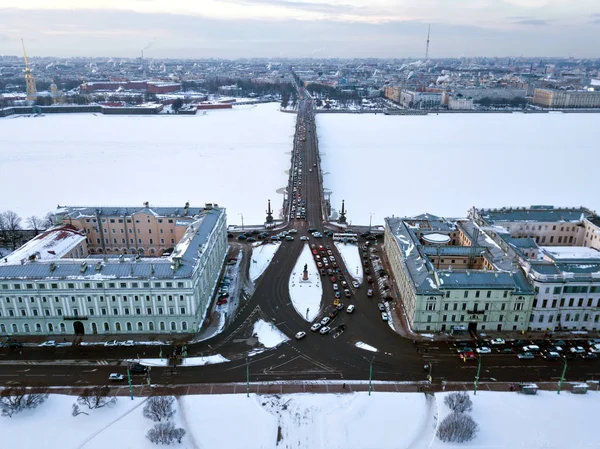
315 421
88 159
445 164
349 252
306 295
261 258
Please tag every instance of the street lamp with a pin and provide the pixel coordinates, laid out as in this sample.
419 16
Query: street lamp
242 215
562 377
370 373
247 377
477 376
370 219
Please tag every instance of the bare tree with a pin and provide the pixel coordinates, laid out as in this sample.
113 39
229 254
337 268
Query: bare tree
48 221
15 400
35 223
459 402
165 433
10 223
159 408
77 411
457 428
96 397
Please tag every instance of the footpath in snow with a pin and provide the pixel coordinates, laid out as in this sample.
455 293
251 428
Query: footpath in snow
306 295
262 255
315 421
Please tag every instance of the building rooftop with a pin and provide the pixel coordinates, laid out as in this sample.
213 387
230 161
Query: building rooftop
50 245
570 253
535 213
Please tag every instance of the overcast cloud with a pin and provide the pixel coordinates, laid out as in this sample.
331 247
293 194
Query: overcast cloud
297 28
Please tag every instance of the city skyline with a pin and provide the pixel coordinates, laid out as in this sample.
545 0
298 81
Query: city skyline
286 28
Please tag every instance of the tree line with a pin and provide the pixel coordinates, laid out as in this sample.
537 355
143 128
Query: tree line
12 227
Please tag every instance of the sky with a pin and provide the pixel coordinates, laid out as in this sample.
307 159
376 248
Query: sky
300 28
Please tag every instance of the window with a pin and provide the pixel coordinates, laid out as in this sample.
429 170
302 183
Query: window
115 311
544 303
103 311
182 310
589 303
149 311
126 310
488 294
518 306
464 306
157 285
446 306
160 311
453 318
59 312
541 319
173 326
455 306
571 301
172 310
169 285
535 303
429 318
516 317
476 294
580 303
91 312
466 294
550 318
123 285
505 295
444 317
180 285
138 311
501 318
554 303
562 302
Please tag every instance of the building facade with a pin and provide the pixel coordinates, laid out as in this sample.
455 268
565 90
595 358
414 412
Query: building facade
552 98
465 282
558 249
52 287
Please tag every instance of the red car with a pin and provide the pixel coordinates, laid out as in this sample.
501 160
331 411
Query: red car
369 279
333 279
321 248
465 356
314 251
221 301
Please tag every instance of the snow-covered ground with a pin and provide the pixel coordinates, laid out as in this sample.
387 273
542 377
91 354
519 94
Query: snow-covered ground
268 335
351 256
306 295
208 155
261 258
315 421
410 164
188 361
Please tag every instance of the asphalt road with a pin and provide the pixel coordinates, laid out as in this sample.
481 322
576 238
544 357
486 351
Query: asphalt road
313 357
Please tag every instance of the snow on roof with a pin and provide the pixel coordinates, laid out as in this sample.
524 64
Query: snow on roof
436 238
52 244
570 252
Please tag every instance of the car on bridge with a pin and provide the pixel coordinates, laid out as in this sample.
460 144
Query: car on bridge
384 316
137 368
48 344
497 341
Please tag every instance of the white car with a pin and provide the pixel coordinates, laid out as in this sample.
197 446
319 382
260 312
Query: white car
350 308
384 316
335 286
355 284
115 376
483 350
111 343
49 343
300 335
127 343
325 330
293 231
578 350
497 341
315 327
325 320
304 238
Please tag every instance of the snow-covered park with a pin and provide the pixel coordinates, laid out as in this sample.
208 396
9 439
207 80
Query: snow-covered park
90 159
349 252
306 295
315 421
445 164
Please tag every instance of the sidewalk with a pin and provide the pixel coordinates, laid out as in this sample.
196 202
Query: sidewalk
334 387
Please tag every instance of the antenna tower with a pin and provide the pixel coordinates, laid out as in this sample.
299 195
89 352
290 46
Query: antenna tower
427 47
29 79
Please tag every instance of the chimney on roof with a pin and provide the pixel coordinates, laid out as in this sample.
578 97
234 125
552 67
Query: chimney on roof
146 204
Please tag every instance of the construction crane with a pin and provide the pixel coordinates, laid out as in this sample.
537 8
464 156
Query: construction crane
29 79
427 47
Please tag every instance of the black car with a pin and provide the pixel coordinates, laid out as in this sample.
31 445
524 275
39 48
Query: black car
251 239
333 313
138 369
312 229
242 237
371 237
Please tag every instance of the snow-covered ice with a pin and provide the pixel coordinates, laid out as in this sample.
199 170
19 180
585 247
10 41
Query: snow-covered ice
208 155
365 346
316 421
306 295
351 256
412 161
268 335
262 255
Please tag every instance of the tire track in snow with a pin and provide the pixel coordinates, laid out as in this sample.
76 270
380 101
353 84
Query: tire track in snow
426 434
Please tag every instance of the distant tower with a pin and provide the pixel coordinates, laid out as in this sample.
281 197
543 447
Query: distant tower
269 213
427 47
342 218
53 89
29 79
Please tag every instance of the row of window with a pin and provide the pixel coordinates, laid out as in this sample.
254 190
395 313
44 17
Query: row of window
96 285
120 220
581 302
462 318
124 241
576 316
26 328
124 298
571 289
91 312
130 231
487 306
477 294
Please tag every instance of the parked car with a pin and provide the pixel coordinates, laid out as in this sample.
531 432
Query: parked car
116 377
340 306
222 301
531 348
335 286
483 350
355 284
350 308
337 294
497 341
325 330
300 335
577 350
127 343
315 327
347 293
242 237
251 239
526 356
333 313
111 343
384 316
369 279
325 320
48 343
381 306
466 356
136 368
551 355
